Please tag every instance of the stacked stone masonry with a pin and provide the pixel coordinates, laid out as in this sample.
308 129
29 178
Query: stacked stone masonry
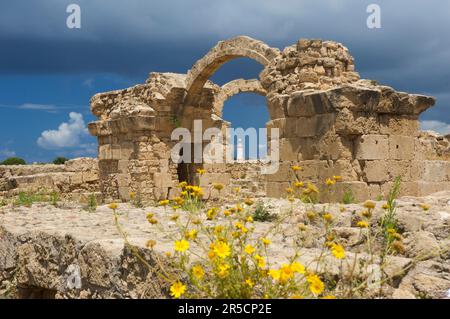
331 122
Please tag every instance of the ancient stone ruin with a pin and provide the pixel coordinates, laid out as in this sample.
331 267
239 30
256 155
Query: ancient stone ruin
331 123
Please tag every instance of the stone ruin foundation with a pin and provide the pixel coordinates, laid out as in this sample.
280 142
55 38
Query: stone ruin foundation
331 122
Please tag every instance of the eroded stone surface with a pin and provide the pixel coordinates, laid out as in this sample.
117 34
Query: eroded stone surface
38 246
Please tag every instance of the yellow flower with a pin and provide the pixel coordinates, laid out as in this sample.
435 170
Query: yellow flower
299 184
222 249
184 193
362 224
337 178
311 215
286 272
218 186
367 213
425 207
249 249
150 243
164 202
338 251
177 289
275 274
298 267
312 188
201 171
150 219
302 227
192 234
222 270
236 190
250 219
391 231
315 284
289 190
260 261
248 202
249 282
291 199
198 272
211 213
176 207
174 217
328 217
385 206
218 229
369 204
113 206
239 208
178 200
226 212
132 195
329 297
330 182
296 168
266 241
182 184
181 245
168 254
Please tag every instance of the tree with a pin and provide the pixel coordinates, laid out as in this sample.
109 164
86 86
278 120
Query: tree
13 161
60 160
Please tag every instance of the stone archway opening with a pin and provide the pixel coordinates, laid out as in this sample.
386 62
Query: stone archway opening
247 114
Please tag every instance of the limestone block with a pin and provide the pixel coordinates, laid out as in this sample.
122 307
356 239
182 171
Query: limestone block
406 189
307 104
276 189
399 125
372 147
397 168
105 152
290 149
89 176
349 170
162 180
283 174
334 147
376 171
427 188
359 190
356 123
123 180
432 171
277 106
374 191
287 126
401 147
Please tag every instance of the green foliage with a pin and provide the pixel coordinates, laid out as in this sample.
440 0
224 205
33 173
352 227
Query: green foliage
13 161
60 160
92 203
389 220
54 198
3 202
261 214
27 199
348 197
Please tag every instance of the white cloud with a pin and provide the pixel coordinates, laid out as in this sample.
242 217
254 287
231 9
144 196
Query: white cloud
68 135
437 126
7 153
38 107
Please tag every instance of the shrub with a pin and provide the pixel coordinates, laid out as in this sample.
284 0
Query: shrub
225 258
13 161
60 160
261 214
92 203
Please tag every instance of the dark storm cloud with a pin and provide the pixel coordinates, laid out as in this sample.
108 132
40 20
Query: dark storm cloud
411 52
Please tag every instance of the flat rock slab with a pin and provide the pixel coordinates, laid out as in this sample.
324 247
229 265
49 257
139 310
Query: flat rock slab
67 252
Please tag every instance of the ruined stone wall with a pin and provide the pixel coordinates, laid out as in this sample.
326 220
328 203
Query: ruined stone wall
72 180
331 123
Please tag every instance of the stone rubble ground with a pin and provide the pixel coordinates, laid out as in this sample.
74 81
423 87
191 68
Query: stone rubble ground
38 244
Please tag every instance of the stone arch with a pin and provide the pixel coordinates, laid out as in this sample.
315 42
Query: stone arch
223 52
234 87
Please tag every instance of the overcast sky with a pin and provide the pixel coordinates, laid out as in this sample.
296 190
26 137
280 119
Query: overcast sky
48 72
